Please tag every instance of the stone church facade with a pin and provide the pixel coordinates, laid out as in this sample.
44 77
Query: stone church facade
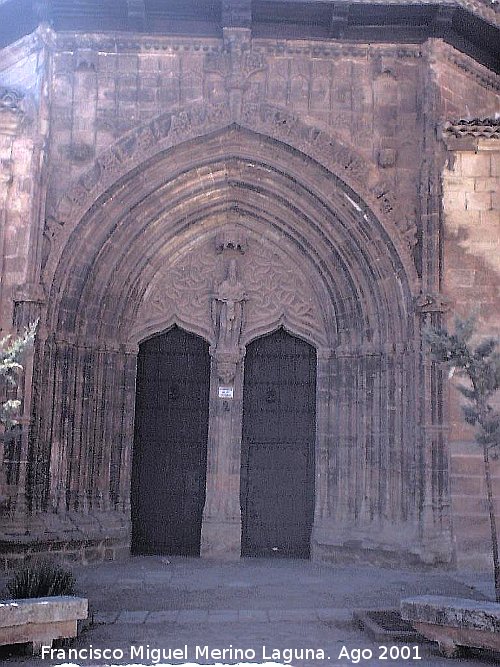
244 201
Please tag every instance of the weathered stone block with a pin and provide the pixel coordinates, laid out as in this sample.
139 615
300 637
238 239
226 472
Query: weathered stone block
486 184
467 465
453 201
41 620
495 164
475 164
495 199
454 622
478 201
466 486
454 183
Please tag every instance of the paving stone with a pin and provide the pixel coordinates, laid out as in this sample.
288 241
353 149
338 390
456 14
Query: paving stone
255 615
105 616
132 617
170 616
192 615
293 615
334 614
222 615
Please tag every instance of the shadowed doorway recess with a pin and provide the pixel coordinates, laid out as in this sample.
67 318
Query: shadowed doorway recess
277 470
170 445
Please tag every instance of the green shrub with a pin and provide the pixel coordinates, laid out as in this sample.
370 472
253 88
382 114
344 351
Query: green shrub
41 579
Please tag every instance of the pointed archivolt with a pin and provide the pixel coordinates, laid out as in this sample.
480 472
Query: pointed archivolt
144 146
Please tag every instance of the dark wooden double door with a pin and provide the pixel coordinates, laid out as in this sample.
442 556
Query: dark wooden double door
170 449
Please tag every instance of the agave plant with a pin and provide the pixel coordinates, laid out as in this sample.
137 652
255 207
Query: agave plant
41 579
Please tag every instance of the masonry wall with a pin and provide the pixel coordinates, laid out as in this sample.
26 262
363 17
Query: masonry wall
471 184
84 101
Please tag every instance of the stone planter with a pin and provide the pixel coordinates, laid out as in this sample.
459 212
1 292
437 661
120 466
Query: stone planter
454 622
40 620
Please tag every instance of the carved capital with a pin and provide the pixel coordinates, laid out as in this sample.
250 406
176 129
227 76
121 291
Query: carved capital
226 363
29 293
13 113
231 238
432 303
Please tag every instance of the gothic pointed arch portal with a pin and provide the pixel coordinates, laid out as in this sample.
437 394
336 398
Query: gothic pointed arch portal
231 236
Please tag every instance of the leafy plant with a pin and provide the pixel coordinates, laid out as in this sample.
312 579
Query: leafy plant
41 579
11 354
479 365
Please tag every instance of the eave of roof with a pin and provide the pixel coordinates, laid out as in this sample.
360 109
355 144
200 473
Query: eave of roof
479 128
472 26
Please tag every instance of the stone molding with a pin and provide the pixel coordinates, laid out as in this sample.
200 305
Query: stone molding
13 53
29 292
480 73
111 43
174 128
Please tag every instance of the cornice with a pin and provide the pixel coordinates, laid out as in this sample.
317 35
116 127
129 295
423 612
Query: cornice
124 42
333 48
487 10
12 54
147 44
484 76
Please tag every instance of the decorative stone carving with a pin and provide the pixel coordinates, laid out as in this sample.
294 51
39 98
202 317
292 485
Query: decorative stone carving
77 152
170 129
225 299
183 292
275 288
231 239
227 309
483 76
227 318
236 64
432 303
13 111
227 362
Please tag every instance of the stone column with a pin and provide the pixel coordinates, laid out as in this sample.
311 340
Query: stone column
324 444
436 535
221 527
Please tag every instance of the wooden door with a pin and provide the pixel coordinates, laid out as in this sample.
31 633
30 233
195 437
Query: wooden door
170 447
279 422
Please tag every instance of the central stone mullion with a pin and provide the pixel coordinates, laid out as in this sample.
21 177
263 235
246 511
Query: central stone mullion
221 527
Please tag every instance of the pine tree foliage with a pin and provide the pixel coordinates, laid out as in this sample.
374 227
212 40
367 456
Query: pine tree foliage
479 366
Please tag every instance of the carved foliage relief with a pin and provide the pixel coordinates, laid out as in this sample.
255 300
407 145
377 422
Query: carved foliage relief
273 290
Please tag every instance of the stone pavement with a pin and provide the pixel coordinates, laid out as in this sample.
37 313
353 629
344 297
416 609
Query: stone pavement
180 610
